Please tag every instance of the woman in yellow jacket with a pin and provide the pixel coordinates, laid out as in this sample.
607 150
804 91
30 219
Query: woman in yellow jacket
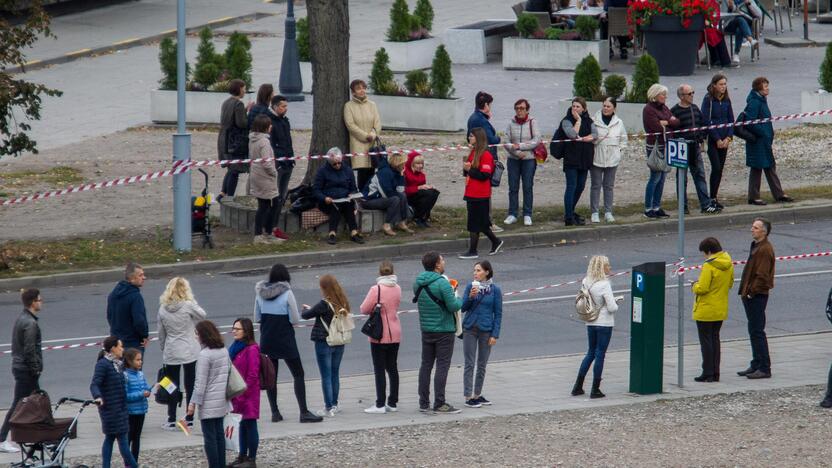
364 125
710 307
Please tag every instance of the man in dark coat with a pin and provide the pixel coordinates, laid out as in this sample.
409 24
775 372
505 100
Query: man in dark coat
126 313
27 359
281 140
233 125
690 116
757 281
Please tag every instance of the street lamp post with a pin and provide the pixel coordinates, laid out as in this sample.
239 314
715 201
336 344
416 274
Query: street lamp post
181 145
290 84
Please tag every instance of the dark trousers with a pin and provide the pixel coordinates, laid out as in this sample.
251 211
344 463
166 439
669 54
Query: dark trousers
437 348
422 202
474 240
709 344
123 448
394 206
623 41
336 211
362 176
719 54
24 384
754 179
249 438
229 182
575 183
172 371
213 437
135 423
598 340
385 361
696 169
296 368
755 311
267 211
717 158
284 174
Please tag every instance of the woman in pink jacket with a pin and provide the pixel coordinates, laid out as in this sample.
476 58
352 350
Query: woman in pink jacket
245 354
385 351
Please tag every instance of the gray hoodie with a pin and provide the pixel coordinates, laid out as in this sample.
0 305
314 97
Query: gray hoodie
176 331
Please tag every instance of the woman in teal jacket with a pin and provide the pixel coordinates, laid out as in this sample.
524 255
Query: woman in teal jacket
759 155
483 308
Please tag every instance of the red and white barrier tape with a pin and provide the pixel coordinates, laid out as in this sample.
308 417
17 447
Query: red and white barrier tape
180 166
681 271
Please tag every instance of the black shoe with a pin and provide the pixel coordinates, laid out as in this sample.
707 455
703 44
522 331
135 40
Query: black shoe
239 461
483 401
473 403
596 390
650 214
424 409
496 249
310 417
704 378
687 210
661 214
757 202
711 209
579 220
743 373
785 199
357 239
426 223
420 223
578 388
623 54
719 205
758 374
468 256
569 221
826 403
277 417
331 239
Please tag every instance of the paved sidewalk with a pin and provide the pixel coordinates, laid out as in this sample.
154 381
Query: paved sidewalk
515 387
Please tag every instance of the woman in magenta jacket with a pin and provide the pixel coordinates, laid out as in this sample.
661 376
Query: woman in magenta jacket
385 352
245 354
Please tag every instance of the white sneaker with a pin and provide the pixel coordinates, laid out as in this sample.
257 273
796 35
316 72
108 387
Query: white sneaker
495 228
527 220
751 43
9 447
336 409
326 413
391 409
169 426
594 218
510 219
375 410
736 59
608 217
262 239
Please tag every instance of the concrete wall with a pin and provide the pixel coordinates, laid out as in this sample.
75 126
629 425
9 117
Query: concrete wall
200 107
814 101
421 113
543 54
413 55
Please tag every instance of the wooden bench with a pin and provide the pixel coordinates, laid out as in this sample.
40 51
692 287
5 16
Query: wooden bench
472 43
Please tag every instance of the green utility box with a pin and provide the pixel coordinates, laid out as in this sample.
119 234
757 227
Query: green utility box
647 328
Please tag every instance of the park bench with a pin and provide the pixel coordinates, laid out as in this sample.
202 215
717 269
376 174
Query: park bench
472 43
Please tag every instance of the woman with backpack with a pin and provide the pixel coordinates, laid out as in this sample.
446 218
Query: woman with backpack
599 330
276 310
483 308
245 356
109 393
330 338
477 169
386 295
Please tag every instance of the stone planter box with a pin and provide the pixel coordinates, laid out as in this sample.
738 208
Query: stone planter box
200 107
414 113
413 55
306 76
542 54
629 113
240 217
814 101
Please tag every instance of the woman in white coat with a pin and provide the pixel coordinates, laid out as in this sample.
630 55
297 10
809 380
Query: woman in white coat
612 138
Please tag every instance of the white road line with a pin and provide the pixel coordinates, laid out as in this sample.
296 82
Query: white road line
515 301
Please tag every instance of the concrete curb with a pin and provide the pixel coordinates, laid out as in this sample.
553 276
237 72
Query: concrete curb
130 43
367 254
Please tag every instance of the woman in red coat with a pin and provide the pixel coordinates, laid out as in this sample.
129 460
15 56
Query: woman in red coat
477 170
245 354
420 196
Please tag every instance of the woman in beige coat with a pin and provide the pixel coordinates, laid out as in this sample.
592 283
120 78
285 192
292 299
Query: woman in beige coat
364 124
263 180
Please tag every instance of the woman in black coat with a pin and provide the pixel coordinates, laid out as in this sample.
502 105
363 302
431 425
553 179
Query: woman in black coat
107 389
578 155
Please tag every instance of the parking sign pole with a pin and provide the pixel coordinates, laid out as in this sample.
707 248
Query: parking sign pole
681 178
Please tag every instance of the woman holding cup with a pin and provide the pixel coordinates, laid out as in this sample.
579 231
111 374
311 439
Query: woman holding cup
483 308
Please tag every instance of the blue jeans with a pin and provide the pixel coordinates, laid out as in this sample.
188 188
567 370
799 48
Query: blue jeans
329 363
249 438
575 183
740 28
654 189
521 170
123 448
213 438
599 340
696 169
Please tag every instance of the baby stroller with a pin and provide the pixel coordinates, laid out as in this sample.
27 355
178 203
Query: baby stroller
200 224
42 437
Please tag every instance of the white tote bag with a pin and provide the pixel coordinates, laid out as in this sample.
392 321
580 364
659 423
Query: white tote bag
231 428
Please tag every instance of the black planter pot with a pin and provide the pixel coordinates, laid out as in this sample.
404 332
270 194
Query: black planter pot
673 46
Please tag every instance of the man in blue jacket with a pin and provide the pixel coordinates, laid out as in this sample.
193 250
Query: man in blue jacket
125 309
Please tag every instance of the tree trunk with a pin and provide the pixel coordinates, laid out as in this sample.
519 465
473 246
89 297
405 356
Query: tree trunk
329 43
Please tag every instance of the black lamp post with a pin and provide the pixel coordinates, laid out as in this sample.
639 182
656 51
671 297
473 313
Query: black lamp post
290 83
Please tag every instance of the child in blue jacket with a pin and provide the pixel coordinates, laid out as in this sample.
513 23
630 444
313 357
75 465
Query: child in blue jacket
137 393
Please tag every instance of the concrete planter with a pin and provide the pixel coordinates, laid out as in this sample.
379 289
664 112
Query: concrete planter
413 55
629 113
200 107
306 76
814 101
542 54
240 217
413 113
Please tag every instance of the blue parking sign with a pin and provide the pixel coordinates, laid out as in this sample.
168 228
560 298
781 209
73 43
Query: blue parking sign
677 153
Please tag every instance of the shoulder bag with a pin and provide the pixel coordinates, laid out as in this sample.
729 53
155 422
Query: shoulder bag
540 153
742 131
236 385
497 174
374 325
380 151
656 160
163 397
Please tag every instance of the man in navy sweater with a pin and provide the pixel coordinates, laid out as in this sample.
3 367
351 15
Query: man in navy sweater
125 309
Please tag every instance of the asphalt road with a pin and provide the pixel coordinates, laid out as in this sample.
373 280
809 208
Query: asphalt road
534 324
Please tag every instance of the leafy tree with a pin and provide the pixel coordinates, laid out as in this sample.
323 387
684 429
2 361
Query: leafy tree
209 64
19 97
238 57
302 25
441 81
381 76
423 14
167 60
825 77
645 75
614 86
587 79
400 22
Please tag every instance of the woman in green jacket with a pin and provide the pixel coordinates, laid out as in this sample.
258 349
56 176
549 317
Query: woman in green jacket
710 307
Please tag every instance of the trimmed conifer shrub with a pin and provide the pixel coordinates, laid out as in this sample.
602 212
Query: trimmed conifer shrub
587 79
